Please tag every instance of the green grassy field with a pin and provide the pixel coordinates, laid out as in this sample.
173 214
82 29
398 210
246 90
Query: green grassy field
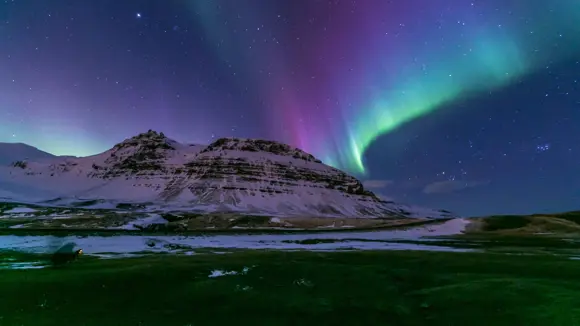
298 288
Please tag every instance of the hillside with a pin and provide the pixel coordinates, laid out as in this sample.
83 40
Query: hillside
12 152
558 223
231 175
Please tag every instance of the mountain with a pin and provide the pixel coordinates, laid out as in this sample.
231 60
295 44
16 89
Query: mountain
248 176
12 152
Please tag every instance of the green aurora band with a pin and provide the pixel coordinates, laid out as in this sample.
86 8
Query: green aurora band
491 60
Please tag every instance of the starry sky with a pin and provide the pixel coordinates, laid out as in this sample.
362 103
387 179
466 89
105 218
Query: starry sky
472 106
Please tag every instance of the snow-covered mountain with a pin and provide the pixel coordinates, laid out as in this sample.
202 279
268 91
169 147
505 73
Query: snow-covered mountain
229 175
12 152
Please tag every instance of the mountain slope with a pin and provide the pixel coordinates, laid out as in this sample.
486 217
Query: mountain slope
229 175
12 152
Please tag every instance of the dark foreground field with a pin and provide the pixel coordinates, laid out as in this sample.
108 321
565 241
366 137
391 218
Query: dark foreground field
298 288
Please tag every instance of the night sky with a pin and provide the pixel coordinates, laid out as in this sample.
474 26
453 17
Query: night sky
472 106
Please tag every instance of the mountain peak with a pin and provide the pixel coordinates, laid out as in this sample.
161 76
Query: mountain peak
148 140
141 153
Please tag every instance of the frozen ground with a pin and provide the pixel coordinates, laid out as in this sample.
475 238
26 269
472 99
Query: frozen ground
379 240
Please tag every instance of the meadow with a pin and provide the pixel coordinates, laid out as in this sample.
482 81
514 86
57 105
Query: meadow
258 287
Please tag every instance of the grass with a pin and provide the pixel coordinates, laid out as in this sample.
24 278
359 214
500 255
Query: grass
488 241
7 223
5 206
505 222
298 288
561 223
570 216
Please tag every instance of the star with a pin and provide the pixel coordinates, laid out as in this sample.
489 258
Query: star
138 15
543 147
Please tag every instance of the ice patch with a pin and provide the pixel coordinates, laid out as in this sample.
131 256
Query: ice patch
117 256
22 265
21 210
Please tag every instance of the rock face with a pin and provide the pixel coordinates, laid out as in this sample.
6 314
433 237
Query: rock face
229 175
255 174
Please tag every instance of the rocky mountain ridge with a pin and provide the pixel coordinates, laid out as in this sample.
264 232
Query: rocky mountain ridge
229 175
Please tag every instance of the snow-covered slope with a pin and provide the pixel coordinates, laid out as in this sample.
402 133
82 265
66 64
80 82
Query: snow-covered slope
240 175
12 152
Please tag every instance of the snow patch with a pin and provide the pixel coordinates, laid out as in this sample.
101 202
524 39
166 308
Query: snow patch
143 222
21 210
219 272
363 240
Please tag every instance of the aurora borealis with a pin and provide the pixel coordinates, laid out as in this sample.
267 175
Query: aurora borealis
356 83
384 63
